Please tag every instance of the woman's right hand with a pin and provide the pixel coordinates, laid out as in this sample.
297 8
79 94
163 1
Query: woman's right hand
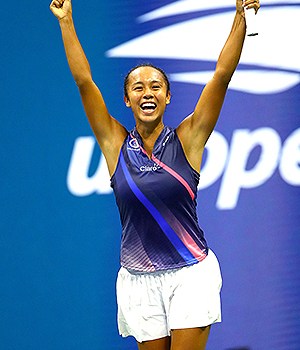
61 8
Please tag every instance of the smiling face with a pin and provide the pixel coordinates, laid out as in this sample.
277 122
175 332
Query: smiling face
147 94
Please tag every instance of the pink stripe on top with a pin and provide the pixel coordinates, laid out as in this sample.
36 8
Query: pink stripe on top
174 174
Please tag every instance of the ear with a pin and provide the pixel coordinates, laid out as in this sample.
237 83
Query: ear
127 102
168 98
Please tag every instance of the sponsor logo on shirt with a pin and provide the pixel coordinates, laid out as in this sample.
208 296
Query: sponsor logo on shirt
154 167
133 145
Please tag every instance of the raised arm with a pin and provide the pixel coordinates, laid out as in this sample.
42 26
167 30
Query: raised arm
108 132
195 130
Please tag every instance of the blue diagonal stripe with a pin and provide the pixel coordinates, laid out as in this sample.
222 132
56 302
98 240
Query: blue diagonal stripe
169 232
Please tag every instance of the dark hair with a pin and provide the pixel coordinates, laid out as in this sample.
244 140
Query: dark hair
166 79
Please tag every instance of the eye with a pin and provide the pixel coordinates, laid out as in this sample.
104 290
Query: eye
156 87
137 88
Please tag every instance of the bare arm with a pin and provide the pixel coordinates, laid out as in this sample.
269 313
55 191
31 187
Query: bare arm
195 130
108 132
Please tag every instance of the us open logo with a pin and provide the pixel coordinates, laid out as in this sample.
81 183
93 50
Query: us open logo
269 58
270 64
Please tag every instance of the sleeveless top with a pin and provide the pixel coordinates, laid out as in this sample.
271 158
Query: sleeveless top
156 198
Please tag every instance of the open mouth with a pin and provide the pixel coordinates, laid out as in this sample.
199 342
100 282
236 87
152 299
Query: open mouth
148 106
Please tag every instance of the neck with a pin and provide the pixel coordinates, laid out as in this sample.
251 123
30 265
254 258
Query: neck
147 131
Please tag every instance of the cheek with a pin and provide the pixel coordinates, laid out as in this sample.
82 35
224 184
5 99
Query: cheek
132 102
162 97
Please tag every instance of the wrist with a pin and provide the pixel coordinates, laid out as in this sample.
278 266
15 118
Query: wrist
66 20
240 16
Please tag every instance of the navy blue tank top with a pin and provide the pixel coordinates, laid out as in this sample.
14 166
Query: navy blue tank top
156 198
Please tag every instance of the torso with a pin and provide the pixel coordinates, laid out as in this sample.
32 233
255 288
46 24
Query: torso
156 197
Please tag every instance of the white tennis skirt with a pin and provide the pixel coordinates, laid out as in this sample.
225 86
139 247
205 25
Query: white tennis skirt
150 305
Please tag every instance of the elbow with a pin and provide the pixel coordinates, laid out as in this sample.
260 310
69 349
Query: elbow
223 76
82 80
82 75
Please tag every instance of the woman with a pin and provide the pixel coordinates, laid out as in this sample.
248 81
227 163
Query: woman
169 284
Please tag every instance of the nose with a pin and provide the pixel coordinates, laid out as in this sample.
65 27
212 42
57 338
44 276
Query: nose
148 94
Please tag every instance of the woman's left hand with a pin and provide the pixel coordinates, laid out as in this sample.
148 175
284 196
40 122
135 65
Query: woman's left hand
242 5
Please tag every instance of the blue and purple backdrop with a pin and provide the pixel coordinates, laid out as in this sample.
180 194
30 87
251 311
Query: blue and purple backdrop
60 230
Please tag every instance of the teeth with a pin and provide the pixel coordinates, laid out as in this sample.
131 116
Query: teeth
148 105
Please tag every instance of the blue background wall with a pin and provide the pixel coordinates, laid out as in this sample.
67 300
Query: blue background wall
59 229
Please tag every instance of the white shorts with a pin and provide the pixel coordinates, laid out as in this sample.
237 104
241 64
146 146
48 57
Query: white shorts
150 305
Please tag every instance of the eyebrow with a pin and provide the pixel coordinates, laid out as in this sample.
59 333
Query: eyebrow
152 81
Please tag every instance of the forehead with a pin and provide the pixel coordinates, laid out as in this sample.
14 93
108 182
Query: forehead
144 74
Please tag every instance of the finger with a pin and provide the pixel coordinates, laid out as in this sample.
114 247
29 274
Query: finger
248 4
257 6
54 3
57 3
